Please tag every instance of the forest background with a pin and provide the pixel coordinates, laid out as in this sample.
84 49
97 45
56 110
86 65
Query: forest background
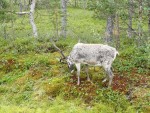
33 80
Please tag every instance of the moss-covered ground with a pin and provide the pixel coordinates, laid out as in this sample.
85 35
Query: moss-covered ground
32 80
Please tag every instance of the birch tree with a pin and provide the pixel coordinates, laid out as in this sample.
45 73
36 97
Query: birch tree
148 17
20 5
64 18
117 31
109 29
140 7
32 8
130 13
4 16
84 2
76 3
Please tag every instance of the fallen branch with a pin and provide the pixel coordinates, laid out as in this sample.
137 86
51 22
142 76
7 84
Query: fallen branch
22 13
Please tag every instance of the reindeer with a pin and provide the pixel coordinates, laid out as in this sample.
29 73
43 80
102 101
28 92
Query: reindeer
91 54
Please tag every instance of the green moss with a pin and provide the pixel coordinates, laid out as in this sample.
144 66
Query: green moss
54 86
30 71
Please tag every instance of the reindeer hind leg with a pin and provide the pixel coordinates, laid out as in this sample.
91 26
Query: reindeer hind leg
87 73
110 74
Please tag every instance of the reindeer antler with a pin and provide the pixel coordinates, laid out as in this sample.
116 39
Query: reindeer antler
61 52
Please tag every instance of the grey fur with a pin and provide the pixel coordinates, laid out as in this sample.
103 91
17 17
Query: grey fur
95 55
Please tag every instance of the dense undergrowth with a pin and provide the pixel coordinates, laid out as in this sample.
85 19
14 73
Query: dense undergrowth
33 80
31 74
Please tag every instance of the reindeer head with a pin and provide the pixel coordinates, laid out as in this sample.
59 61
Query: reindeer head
70 65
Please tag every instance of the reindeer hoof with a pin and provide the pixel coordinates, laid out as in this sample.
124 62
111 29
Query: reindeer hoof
109 87
88 79
78 83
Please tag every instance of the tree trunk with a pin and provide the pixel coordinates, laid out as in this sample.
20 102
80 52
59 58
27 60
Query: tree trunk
64 18
25 5
5 32
117 32
32 7
130 11
140 24
12 20
21 6
109 29
75 3
84 4
56 21
149 17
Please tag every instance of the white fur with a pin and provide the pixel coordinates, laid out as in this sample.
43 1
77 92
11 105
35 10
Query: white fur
95 55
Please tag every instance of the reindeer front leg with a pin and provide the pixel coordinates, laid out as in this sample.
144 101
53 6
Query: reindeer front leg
78 72
87 72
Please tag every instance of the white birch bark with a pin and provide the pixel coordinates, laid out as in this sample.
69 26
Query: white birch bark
32 7
64 18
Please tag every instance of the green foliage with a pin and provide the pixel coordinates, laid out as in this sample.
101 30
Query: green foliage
133 58
91 4
30 71
5 16
54 86
11 76
46 4
112 98
104 8
4 4
90 28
